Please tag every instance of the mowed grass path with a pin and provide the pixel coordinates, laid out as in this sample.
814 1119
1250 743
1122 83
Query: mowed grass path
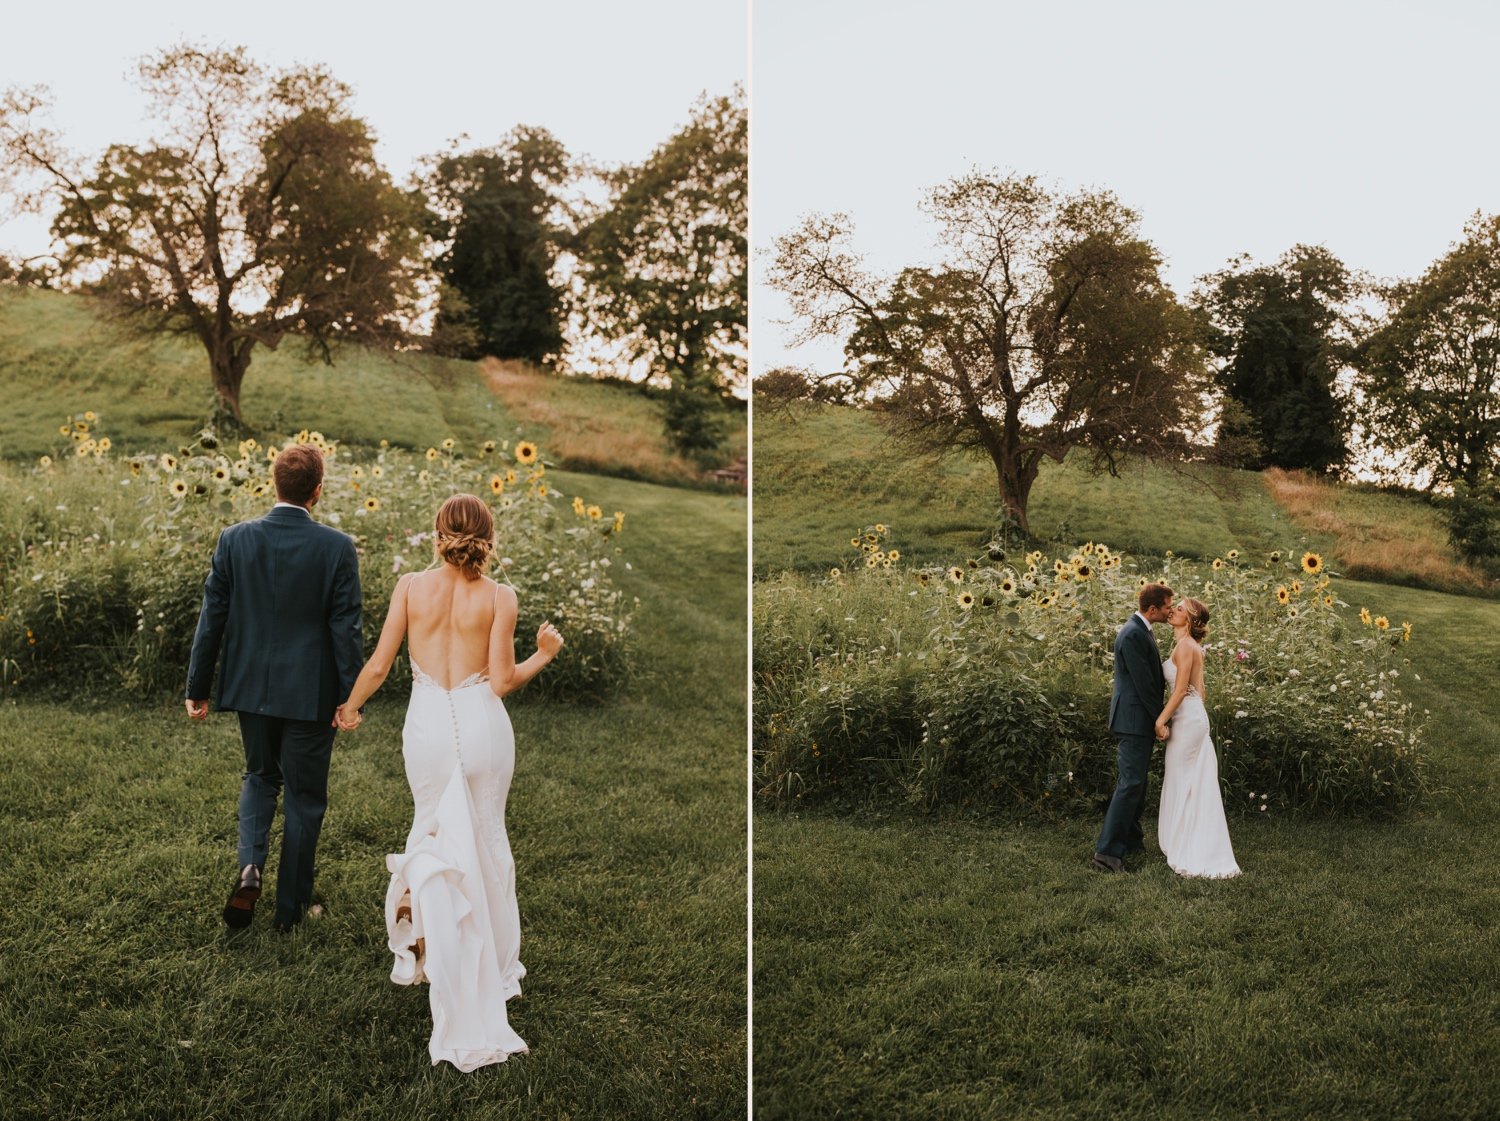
952 968
121 995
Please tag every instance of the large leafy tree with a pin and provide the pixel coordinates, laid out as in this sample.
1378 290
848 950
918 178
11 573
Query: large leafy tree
1282 333
1046 328
258 213
493 215
1430 372
664 264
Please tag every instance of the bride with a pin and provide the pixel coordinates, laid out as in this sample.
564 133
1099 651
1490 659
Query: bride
1191 827
450 910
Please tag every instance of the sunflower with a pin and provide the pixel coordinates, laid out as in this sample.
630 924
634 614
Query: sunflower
1283 596
448 444
595 513
104 445
1218 565
879 527
878 554
1140 582
541 490
377 471
385 443
46 461
1045 601
923 578
510 478
424 476
1292 613
834 573
1382 623
487 447
178 487
302 436
79 426
431 454
64 429
315 438
619 520
1233 554
578 507
259 489
894 555
1088 549
1276 556
1085 572
854 541
1312 564
956 574
525 453
372 503
1296 587
966 600
270 455
870 561
220 474
357 473
1405 632
1007 585
90 417
1328 601
1059 565
168 462
1364 616
84 448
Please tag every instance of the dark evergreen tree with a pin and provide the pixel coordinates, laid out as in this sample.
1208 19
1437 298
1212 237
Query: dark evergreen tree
1281 334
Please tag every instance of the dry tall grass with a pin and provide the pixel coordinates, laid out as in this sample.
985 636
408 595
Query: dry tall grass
579 435
1381 537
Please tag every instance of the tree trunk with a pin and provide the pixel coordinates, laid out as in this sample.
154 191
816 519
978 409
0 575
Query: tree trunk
229 365
1016 472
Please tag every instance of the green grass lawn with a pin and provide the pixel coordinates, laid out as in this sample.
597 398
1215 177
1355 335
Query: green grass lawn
123 996
59 358
972 967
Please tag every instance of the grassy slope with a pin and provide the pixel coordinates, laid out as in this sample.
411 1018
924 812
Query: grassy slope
910 966
58 358
123 997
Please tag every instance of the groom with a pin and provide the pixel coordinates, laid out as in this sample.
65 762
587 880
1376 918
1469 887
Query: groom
282 599
1133 708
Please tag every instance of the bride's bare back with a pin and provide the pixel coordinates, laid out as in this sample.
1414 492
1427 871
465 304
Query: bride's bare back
448 624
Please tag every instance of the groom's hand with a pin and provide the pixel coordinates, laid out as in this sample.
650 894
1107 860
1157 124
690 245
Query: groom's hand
198 710
1162 731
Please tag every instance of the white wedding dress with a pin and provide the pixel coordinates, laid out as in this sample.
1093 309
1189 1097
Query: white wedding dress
457 868
1191 827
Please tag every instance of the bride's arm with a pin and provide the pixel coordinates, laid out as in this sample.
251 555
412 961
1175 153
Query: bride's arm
1182 658
505 675
375 670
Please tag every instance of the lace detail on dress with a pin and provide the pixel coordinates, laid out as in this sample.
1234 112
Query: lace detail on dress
421 677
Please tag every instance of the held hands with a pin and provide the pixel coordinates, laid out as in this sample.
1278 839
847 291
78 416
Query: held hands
197 710
549 640
347 720
1162 730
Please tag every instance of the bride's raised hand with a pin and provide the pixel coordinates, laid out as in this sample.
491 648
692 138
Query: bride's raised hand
549 640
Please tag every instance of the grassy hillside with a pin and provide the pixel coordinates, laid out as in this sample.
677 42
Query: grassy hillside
628 824
969 965
58 357
821 472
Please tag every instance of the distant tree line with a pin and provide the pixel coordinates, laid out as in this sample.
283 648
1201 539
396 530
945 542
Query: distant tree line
258 214
1047 328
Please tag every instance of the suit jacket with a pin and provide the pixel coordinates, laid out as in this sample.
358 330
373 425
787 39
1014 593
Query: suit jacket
1139 686
282 599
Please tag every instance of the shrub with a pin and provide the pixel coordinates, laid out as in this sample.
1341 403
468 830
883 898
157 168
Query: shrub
994 675
104 559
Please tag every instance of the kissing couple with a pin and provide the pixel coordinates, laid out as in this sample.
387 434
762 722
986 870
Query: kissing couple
281 619
1190 828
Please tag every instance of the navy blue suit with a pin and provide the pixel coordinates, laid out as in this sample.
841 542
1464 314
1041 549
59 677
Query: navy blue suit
1134 706
282 602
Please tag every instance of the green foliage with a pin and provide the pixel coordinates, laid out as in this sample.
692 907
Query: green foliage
986 681
1431 370
665 263
105 559
1282 334
1473 515
492 215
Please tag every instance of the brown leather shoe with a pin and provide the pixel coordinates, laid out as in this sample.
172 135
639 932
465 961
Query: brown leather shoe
1103 862
241 906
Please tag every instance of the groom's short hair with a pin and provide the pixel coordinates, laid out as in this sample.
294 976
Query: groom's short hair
297 471
1154 595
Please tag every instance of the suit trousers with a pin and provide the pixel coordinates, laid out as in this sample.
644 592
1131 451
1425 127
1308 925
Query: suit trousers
1122 822
294 754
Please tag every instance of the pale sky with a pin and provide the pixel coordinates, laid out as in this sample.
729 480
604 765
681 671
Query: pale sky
609 79
1368 127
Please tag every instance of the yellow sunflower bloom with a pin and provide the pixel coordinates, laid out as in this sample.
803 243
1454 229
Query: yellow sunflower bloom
448 444
65 430
46 461
1296 587
104 445
1283 596
1312 564
525 453
510 478
489 446
89 416
870 561
619 520
1364 616
541 490
357 473
879 527
1218 565
1382 623
167 462
431 454
834 573
497 484
377 471
894 554
595 513
966 600
1405 632
854 541
178 487
1233 554
956 574
372 503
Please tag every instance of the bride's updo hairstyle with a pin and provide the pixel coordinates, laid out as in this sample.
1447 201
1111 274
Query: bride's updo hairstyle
1197 618
465 535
